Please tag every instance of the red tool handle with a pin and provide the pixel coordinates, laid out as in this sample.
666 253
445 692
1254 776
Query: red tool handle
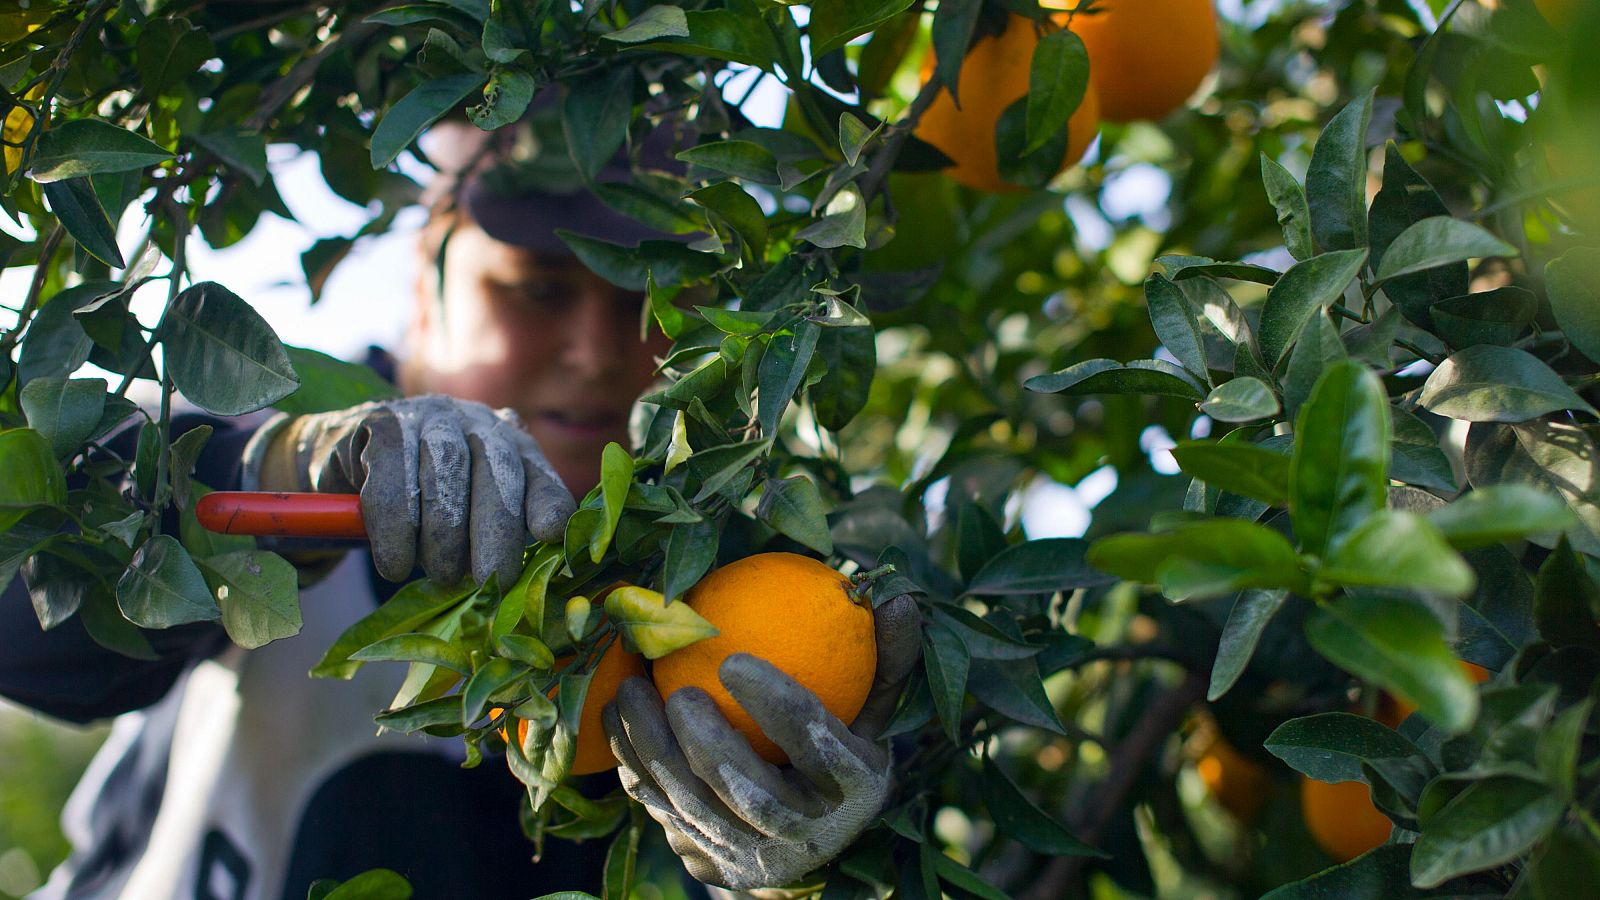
282 514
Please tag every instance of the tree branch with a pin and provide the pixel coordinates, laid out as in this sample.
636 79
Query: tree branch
1129 757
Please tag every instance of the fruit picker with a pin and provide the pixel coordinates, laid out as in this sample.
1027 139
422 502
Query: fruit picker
227 769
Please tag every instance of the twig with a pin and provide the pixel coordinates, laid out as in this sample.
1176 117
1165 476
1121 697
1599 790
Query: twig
282 90
1129 757
899 133
41 273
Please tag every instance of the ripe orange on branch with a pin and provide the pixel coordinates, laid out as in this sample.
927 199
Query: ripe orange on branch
616 665
1146 57
994 75
792 611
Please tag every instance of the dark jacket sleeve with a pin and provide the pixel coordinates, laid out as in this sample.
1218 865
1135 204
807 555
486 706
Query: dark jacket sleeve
63 672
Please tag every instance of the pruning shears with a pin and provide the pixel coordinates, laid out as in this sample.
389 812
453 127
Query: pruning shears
282 514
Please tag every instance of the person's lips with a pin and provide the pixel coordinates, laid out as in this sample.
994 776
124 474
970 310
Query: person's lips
583 424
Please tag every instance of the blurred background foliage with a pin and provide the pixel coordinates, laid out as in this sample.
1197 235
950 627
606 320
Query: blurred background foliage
1034 282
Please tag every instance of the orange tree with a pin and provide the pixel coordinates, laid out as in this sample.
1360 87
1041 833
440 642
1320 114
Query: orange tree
1366 308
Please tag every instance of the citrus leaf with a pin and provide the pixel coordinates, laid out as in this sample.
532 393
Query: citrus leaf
652 624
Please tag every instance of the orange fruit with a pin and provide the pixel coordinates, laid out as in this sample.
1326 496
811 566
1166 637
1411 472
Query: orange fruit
1341 818
1239 784
1146 57
15 130
790 610
616 665
993 76
1392 710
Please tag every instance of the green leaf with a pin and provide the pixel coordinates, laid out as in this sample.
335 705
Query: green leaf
1107 376
954 23
1182 268
245 152
373 884
1336 182
1438 241
1243 399
440 711
1031 170
1555 457
1566 865
327 383
1332 746
1399 646
1416 457
1338 474
1382 873
1407 198
1289 199
505 98
718 467
1398 549
1490 823
1012 688
416 647
1573 280
1017 817
1498 317
983 639
414 112
795 508
843 224
737 34
1209 558
652 624
850 359
1037 567
1244 469
491 678
1566 600
1175 323
258 593
1058 76
508 31
653 24
740 210
745 160
414 604
56 343
964 879
75 203
162 587
222 355
616 474
170 50
783 367
91 146
1316 350
946 660
1500 512
854 135
595 117
1497 384
668 262
835 23
691 549
1307 287
65 411
1250 615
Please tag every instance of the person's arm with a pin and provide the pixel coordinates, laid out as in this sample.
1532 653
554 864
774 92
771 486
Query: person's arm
63 672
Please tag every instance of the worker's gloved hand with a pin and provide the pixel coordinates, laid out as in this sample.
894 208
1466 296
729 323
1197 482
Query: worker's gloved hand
736 820
447 484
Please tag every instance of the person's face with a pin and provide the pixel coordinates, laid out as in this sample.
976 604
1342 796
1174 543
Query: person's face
539 334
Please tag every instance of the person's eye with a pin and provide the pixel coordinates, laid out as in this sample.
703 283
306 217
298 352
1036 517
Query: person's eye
541 293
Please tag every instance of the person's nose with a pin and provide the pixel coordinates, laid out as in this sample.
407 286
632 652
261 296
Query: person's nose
589 348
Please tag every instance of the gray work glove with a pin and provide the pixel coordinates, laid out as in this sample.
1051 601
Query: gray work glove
736 820
447 484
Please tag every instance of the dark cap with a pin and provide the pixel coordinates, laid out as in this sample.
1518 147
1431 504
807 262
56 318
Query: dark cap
519 184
